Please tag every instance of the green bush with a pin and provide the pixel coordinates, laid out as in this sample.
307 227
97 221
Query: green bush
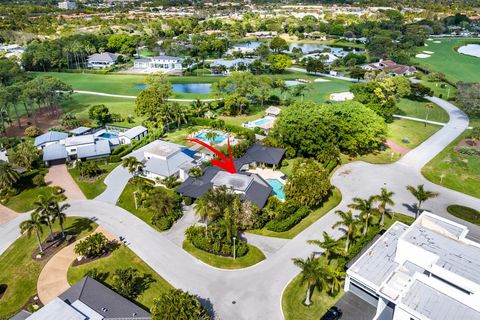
187 200
94 245
289 222
39 180
32 132
207 241
469 151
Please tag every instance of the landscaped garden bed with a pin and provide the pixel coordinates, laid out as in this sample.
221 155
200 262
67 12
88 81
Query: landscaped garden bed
92 185
465 213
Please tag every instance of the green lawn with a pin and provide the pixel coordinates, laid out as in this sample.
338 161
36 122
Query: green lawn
414 131
23 201
20 272
440 88
456 66
121 258
455 171
331 203
416 109
253 257
469 214
92 189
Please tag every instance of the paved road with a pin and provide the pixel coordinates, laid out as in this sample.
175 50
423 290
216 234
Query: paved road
116 182
135 97
255 292
327 75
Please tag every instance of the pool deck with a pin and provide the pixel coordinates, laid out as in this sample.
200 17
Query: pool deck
268 174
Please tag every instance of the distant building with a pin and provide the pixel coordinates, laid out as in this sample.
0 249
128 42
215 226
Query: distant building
225 66
87 300
167 64
102 60
273 111
67 5
428 270
390 67
135 133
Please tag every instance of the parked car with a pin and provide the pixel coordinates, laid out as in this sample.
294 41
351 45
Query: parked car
332 314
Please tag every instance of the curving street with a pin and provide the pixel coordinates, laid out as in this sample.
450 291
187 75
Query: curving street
255 292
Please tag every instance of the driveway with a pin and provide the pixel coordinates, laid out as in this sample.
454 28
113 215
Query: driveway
58 176
116 182
6 214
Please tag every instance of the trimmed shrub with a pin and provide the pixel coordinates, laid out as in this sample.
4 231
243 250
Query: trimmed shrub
94 245
289 222
39 180
32 132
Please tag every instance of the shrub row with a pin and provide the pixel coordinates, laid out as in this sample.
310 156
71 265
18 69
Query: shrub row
469 151
203 240
220 124
125 149
289 222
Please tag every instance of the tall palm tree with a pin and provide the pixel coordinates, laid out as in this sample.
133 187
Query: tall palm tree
335 277
421 195
132 164
348 224
367 210
329 244
8 175
33 225
310 274
210 135
384 199
58 212
201 209
43 207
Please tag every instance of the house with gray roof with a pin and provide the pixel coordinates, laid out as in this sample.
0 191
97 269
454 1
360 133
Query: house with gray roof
429 270
162 159
48 138
226 66
80 131
135 133
87 300
167 64
102 60
260 155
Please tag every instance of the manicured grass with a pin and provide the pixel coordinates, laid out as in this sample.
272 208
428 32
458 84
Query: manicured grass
294 296
123 258
92 189
455 171
468 214
255 113
456 66
331 203
23 201
440 88
416 109
321 90
20 272
253 257
178 136
415 132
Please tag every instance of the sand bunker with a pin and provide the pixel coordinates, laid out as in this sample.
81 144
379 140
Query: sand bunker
422 55
321 80
341 96
437 41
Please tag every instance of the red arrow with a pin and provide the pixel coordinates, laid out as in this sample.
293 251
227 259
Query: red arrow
225 164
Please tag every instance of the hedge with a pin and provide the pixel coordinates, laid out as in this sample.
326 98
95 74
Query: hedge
289 222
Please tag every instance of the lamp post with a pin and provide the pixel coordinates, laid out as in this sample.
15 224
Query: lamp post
135 198
234 252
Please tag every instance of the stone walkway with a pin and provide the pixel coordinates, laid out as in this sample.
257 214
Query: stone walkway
6 214
53 279
397 148
58 176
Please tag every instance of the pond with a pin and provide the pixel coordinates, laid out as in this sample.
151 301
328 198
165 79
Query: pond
198 88
306 47
470 50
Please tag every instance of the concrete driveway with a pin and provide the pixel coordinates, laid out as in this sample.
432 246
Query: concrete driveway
58 176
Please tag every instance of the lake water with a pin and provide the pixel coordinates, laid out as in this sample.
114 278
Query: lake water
198 88
471 50
306 47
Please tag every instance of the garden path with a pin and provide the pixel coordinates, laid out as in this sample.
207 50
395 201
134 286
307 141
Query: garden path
58 175
53 278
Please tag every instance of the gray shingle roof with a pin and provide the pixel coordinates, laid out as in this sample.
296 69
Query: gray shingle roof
50 136
168 58
169 166
134 132
98 149
262 154
98 297
55 151
80 130
22 315
103 57
79 140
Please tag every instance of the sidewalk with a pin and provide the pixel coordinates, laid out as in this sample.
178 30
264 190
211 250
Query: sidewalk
6 214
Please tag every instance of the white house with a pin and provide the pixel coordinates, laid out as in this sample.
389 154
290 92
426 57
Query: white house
48 138
428 270
67 5
225 66
102 60
161 63
135 133
162 159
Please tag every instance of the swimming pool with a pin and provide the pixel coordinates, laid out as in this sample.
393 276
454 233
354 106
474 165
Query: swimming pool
218 139
109 135
196 88
260 123
277 187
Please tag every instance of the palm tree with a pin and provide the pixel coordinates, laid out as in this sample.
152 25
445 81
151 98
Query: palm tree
384 199
421 195
367 210
58 212
8 175
348 224
329 244
43 207
201 209
428 108
33 225
210 135
310 274
335 277
132 164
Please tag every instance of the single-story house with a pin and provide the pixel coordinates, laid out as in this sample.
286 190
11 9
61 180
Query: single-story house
250 187
50 137
54 154
260 155
135 133
390 67
88 299
102 60
160 63
225 66
80 131
162 159
273 111
328 57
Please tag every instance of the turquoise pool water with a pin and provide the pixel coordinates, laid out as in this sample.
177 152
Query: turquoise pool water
109 135
218 139
263 121
277 187
197 88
